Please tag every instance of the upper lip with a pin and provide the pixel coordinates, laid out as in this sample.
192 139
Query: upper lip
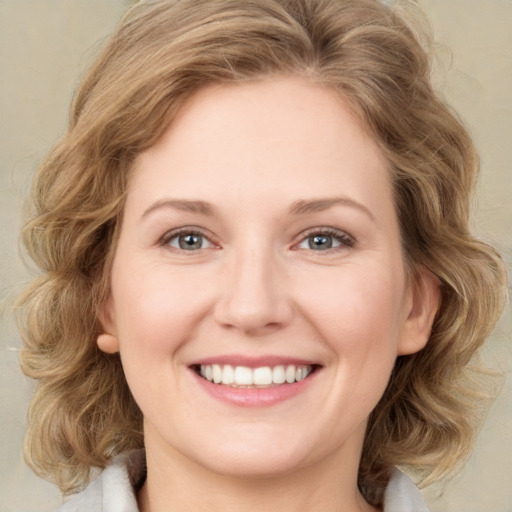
253 361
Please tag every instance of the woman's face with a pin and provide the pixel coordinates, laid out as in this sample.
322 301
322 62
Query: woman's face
260 244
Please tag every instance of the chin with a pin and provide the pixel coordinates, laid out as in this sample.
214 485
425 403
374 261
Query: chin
253 466
252 458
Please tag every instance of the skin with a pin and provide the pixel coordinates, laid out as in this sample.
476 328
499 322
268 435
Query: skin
250 152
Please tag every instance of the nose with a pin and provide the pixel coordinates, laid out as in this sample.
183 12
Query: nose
255 297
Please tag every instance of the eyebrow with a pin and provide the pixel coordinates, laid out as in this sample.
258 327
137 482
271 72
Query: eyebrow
201 207
319 205
300 207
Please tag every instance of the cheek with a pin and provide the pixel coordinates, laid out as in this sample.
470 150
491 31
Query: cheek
159 308
156 313
359 312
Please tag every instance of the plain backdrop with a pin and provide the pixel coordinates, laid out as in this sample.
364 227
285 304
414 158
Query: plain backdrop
44 47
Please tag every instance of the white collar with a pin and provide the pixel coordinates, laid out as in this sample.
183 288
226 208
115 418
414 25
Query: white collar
113 490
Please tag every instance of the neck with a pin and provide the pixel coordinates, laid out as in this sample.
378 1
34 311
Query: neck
174 482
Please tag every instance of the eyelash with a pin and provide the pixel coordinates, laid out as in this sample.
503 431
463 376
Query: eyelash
345 240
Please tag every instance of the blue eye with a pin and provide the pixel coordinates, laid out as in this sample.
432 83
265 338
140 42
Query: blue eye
323 240
187 241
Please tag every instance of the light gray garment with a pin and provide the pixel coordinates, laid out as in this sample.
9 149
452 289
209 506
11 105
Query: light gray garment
113 490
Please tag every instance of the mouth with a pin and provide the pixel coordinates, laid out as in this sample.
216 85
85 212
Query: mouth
261 377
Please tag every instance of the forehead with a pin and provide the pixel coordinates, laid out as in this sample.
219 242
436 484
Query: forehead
281 134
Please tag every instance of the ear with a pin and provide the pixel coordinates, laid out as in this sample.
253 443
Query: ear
423 303
107 342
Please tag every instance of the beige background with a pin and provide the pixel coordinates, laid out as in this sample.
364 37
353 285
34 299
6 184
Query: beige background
46 44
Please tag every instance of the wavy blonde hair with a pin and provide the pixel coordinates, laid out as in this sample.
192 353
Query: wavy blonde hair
162 52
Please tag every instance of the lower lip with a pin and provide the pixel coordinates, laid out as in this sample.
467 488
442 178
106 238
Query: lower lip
255 397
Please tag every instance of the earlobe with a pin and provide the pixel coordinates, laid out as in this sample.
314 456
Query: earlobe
108 343
425 300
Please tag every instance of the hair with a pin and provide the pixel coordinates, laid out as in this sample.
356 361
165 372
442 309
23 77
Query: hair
162 52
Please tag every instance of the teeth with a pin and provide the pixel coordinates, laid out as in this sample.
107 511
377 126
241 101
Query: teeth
278 376
228 376
290 374
243 376
264 376
217 373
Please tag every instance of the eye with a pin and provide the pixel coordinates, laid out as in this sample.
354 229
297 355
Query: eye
325 239
186 240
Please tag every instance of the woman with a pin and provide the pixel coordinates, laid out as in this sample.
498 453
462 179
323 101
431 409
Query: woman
257 266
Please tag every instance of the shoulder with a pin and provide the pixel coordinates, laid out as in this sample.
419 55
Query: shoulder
113 490
402 495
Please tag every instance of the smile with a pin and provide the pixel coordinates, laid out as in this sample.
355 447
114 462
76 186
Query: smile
260 377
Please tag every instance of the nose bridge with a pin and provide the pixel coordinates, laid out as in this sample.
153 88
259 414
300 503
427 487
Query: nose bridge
254 295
